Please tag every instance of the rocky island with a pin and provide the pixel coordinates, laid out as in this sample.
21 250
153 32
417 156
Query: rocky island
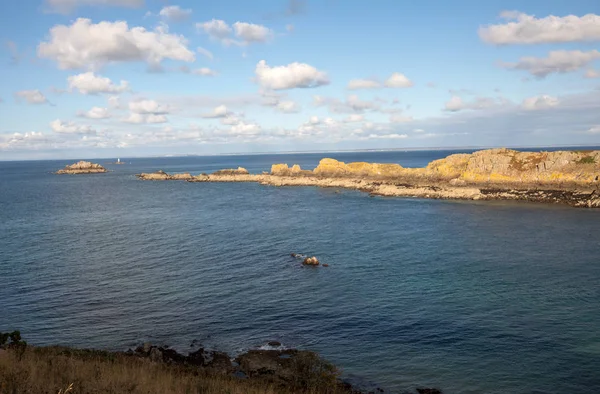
82 167
567 177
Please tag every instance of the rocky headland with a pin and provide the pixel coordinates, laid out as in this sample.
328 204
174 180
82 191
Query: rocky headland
82 167
566 177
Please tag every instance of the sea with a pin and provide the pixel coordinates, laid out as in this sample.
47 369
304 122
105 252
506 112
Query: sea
467 297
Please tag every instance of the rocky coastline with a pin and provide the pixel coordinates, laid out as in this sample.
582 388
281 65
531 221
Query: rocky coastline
562 177
82 167
270 368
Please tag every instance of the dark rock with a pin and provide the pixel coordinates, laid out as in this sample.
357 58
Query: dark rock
428 391
156 355
325 265
274 343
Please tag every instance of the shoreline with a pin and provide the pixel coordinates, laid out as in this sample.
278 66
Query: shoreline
563 177
148 369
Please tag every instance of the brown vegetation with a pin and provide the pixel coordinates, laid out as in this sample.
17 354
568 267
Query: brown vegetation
52 370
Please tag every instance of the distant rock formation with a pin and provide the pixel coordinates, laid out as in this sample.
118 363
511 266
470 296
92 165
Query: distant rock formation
82 167
229 171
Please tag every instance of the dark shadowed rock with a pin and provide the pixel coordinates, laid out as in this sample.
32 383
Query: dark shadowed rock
428 391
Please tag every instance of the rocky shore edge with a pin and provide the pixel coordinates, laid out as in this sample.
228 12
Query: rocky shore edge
564 177
288 370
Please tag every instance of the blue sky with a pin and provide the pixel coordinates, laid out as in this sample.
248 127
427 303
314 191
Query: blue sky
104 78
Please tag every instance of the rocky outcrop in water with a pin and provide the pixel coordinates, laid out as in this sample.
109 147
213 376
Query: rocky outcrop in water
311 261
566 177
82 167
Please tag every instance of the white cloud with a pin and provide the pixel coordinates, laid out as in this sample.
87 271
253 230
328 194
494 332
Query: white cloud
539 102
294 75
205 52
592 74
32 96
58 126
456 103
250 32
89 83
594 130
363 84
216 29
288 106
352 104
314 120
527 29
394 136
557 62
398 80
218 112
148 107
84 44
242 128
174 13
205 71
66 6
96 113
29 140
138 118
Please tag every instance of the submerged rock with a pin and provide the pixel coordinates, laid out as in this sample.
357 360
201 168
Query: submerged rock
82 167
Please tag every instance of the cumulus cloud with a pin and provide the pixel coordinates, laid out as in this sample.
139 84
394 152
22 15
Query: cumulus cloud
594 130
90 83
138 118
246 33
242 128
32 96
539 102
58 126
218 112
28 140
294 75
398 80
250 32
456 103
527 29
216 29
363 84
84 44
557 62
148 107
288 106
96 113
66 6
174 13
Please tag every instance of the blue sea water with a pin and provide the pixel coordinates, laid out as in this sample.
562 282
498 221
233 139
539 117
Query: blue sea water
469 297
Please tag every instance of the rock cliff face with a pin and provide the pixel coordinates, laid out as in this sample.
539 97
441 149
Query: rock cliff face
492 166
82 167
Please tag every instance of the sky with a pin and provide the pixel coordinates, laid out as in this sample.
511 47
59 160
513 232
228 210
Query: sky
130 78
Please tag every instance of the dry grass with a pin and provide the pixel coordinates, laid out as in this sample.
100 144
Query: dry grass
55 370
